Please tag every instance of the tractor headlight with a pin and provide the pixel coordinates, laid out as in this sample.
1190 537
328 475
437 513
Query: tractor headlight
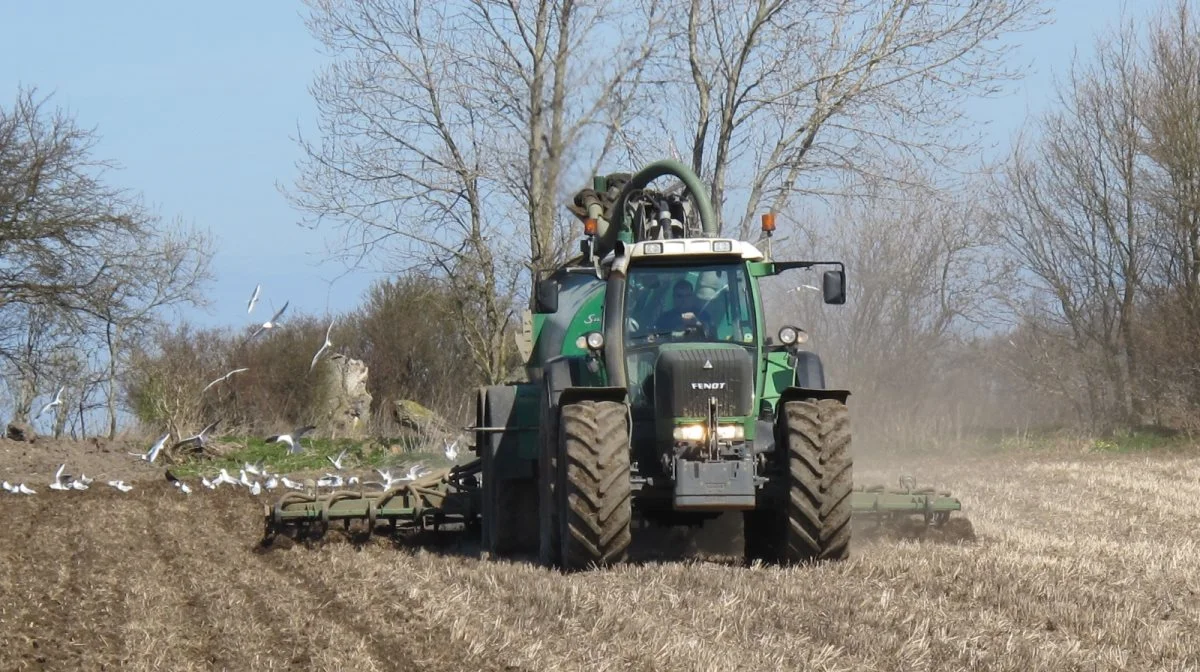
731 432
792 335
652 248
697 432
594 340
689 433
722 246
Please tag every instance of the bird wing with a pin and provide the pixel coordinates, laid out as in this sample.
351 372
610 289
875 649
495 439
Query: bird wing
58 397
301 431
328 332
317 356
272 439
280 313
39 413
58 474
333 462
211 384
253 298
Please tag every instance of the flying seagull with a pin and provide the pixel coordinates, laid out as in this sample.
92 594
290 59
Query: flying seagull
451 450
57 402
416 471
253 299
224 477
198 439
292 439
224 377
327 344
152 454
271 323
337 463
58 479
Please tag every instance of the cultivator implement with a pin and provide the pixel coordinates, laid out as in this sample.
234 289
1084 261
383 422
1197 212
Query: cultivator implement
443 500
448 500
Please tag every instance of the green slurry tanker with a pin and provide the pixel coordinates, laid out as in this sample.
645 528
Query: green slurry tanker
653 397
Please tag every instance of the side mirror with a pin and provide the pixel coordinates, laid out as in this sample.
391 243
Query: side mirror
833 286
546 296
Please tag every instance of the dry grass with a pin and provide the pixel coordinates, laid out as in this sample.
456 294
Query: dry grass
1082 562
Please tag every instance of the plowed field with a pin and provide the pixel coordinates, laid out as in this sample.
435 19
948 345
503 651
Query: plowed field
1082 562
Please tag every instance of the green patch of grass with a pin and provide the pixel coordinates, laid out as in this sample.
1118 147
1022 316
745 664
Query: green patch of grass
1138 442
361 455
1127 441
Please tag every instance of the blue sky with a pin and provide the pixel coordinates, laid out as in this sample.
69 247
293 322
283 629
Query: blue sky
199 102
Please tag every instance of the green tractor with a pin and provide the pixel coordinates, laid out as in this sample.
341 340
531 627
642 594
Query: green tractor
653 397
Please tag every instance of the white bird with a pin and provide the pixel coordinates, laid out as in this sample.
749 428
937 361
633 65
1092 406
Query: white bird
207 483
57 402
328 344
8 487
290 484
451 450
255 469
224 477
330 481
416 471
183 487
26 490
353 480
244 479
78 485
271 323
121 485
199 439
83 478
256 489
253 299
58 479
224 377
272 483
337 462
292 439
152 454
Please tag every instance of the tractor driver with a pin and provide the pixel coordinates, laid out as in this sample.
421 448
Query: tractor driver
685 313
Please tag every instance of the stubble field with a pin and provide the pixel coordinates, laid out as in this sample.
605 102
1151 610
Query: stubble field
1082 561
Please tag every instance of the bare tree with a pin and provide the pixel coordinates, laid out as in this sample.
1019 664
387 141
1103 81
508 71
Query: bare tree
447 130
1073 212
78 250
786 93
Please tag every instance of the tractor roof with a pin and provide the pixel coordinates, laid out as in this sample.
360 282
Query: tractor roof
695 247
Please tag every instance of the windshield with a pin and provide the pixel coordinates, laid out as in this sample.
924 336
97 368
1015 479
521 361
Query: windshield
672 304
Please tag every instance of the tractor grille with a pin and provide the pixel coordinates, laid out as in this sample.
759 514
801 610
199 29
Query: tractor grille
684 381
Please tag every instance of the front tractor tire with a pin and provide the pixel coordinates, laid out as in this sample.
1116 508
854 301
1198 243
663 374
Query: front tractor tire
815 435
595 504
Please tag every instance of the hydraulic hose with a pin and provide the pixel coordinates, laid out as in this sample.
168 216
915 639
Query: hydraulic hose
664 168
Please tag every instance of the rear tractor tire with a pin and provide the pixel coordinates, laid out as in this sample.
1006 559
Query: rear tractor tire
816 437
596 497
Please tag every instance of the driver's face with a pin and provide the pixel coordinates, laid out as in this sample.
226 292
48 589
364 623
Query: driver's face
684 297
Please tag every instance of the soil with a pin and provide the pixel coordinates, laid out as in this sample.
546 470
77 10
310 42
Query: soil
1079 562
